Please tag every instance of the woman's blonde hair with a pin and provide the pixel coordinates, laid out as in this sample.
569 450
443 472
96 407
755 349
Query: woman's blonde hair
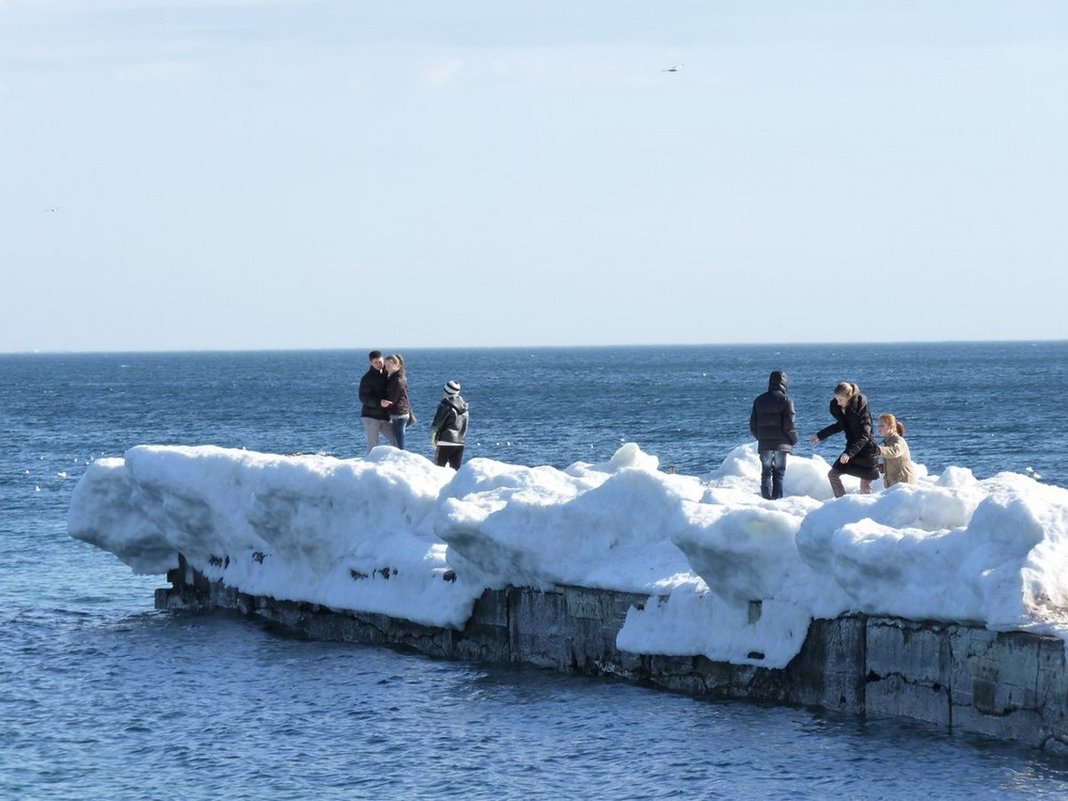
846 390
397 359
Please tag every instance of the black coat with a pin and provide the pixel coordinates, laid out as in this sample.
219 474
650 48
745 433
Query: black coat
772 418
372 390
855 421
397 392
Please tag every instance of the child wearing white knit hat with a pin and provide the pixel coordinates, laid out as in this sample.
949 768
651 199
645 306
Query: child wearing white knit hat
448 432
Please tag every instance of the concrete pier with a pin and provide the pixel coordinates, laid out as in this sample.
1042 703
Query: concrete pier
1006 685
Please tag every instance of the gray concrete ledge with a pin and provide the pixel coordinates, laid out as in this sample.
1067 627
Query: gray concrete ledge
1007 685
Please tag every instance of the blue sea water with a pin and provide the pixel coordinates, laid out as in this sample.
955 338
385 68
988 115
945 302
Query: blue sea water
102 697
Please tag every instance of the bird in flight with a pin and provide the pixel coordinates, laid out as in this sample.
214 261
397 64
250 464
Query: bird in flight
673 68
51 210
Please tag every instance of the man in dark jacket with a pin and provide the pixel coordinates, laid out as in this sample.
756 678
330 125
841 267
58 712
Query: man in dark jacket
372 390
449 429
772 423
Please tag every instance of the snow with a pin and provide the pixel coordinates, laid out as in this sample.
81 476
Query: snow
728 575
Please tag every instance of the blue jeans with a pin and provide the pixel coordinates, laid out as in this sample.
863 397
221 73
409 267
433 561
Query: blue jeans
398 424
772 469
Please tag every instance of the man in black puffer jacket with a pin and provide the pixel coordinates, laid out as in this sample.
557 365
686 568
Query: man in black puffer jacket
372 389
772 423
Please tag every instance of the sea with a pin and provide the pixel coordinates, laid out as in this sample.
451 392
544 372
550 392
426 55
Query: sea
102 697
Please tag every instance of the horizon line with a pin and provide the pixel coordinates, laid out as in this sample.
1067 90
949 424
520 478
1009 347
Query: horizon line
336 349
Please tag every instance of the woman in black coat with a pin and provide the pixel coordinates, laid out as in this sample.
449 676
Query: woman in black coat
850 412
396 400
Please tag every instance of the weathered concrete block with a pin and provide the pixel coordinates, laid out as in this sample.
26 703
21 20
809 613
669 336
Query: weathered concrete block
908 670
608 608
491 609
540 629
486 637
916 650
571 629
1051 692
724 680
995 672
595 619
994 684
893 695
676 673
829 670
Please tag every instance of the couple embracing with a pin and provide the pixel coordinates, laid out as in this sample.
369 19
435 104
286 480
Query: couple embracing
384 395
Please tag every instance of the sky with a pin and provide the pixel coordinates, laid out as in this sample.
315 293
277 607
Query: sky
313 528
265 174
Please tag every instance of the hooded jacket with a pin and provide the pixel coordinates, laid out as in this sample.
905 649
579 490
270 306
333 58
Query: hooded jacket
772 418
450 421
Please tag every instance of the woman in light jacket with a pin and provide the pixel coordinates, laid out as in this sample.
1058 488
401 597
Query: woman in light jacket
897 461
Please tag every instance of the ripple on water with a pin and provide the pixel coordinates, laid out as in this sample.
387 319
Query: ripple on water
210 706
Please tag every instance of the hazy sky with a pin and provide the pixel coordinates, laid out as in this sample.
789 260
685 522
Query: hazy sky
253 174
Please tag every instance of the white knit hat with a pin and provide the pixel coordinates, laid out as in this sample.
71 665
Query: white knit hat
452 388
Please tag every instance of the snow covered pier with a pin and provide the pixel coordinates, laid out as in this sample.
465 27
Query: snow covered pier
944 601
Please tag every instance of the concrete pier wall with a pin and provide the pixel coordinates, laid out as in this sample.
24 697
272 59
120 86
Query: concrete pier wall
1007 685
